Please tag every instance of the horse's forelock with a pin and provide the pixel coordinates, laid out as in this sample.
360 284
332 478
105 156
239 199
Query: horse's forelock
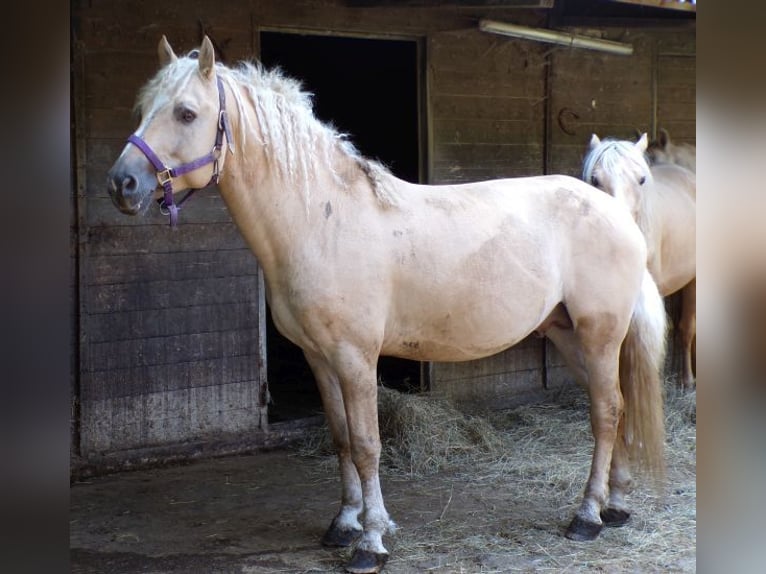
615 156
166 84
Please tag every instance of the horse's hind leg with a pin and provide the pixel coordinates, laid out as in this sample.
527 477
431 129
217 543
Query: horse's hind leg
596 368
616 512
345 528
687 330
605 412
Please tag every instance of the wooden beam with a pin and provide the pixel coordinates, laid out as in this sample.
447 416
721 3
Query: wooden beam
669 4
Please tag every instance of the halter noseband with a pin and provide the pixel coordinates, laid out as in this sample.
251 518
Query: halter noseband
165 174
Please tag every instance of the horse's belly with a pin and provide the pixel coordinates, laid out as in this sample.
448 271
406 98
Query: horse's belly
464 332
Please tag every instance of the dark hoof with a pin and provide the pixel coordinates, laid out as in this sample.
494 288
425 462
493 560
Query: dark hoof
582 531
613 517
366 562
340 537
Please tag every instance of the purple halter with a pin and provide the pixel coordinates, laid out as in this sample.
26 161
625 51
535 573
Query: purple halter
166 174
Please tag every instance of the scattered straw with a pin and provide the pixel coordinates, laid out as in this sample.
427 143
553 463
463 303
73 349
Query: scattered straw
511 480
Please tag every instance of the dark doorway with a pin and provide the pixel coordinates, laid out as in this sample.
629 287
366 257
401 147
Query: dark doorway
367 88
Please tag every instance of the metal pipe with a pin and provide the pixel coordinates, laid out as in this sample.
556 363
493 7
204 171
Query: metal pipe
554 37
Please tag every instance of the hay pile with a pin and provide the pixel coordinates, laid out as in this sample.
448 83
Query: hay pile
421 434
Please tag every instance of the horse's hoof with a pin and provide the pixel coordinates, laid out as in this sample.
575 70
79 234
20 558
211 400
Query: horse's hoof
340 537
366 562
614 517
583 531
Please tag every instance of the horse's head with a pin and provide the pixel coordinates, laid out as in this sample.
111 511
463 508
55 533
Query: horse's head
619 168
179 142
660 150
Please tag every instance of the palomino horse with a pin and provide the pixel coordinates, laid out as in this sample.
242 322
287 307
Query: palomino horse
663 201
358 264
662 151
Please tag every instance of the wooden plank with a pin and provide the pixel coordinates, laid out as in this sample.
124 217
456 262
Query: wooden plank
115 356
139 324
139 24
676 42
476 107
172 320
526 355
164 294
678 111
160 238
664 4
486 53
495 131
139 268
114 424
467 82
206 206
170 376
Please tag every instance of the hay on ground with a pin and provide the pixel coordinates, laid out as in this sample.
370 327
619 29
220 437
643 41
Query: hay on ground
531 462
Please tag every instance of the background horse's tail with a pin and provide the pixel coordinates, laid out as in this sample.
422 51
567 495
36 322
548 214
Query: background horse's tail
642 359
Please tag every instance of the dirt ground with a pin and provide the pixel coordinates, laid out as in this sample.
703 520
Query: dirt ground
265 513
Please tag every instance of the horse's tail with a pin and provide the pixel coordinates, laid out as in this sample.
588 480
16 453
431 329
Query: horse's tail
642 358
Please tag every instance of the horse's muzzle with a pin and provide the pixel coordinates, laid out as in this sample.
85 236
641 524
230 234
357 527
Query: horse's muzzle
131 192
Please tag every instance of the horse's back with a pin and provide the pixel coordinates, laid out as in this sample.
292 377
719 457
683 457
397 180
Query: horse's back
489 262
676 177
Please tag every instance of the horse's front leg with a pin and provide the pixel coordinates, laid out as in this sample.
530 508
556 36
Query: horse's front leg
345 528
605 413
357 374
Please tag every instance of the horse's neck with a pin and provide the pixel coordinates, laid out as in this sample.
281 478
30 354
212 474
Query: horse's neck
278 218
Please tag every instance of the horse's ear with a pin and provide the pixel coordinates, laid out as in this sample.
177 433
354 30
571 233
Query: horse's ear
206 58
165 52
643 142
594 141
664 138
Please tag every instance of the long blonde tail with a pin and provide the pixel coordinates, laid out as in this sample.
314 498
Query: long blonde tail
642 358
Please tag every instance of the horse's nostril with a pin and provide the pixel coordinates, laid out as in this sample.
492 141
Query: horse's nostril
129 184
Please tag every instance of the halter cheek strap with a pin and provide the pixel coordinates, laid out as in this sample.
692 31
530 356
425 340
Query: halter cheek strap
166 174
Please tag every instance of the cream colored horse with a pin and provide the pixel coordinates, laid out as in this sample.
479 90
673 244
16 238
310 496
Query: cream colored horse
663 151
358 263
663 200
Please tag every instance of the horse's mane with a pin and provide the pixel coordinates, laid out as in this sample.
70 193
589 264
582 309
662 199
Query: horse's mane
623 158
295 142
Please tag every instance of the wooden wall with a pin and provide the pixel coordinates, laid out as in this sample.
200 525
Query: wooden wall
170 323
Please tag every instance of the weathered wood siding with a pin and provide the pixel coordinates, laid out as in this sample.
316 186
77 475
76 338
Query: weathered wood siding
170 323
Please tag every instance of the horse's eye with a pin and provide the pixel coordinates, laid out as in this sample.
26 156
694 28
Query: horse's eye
185 115
642 181
594 181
